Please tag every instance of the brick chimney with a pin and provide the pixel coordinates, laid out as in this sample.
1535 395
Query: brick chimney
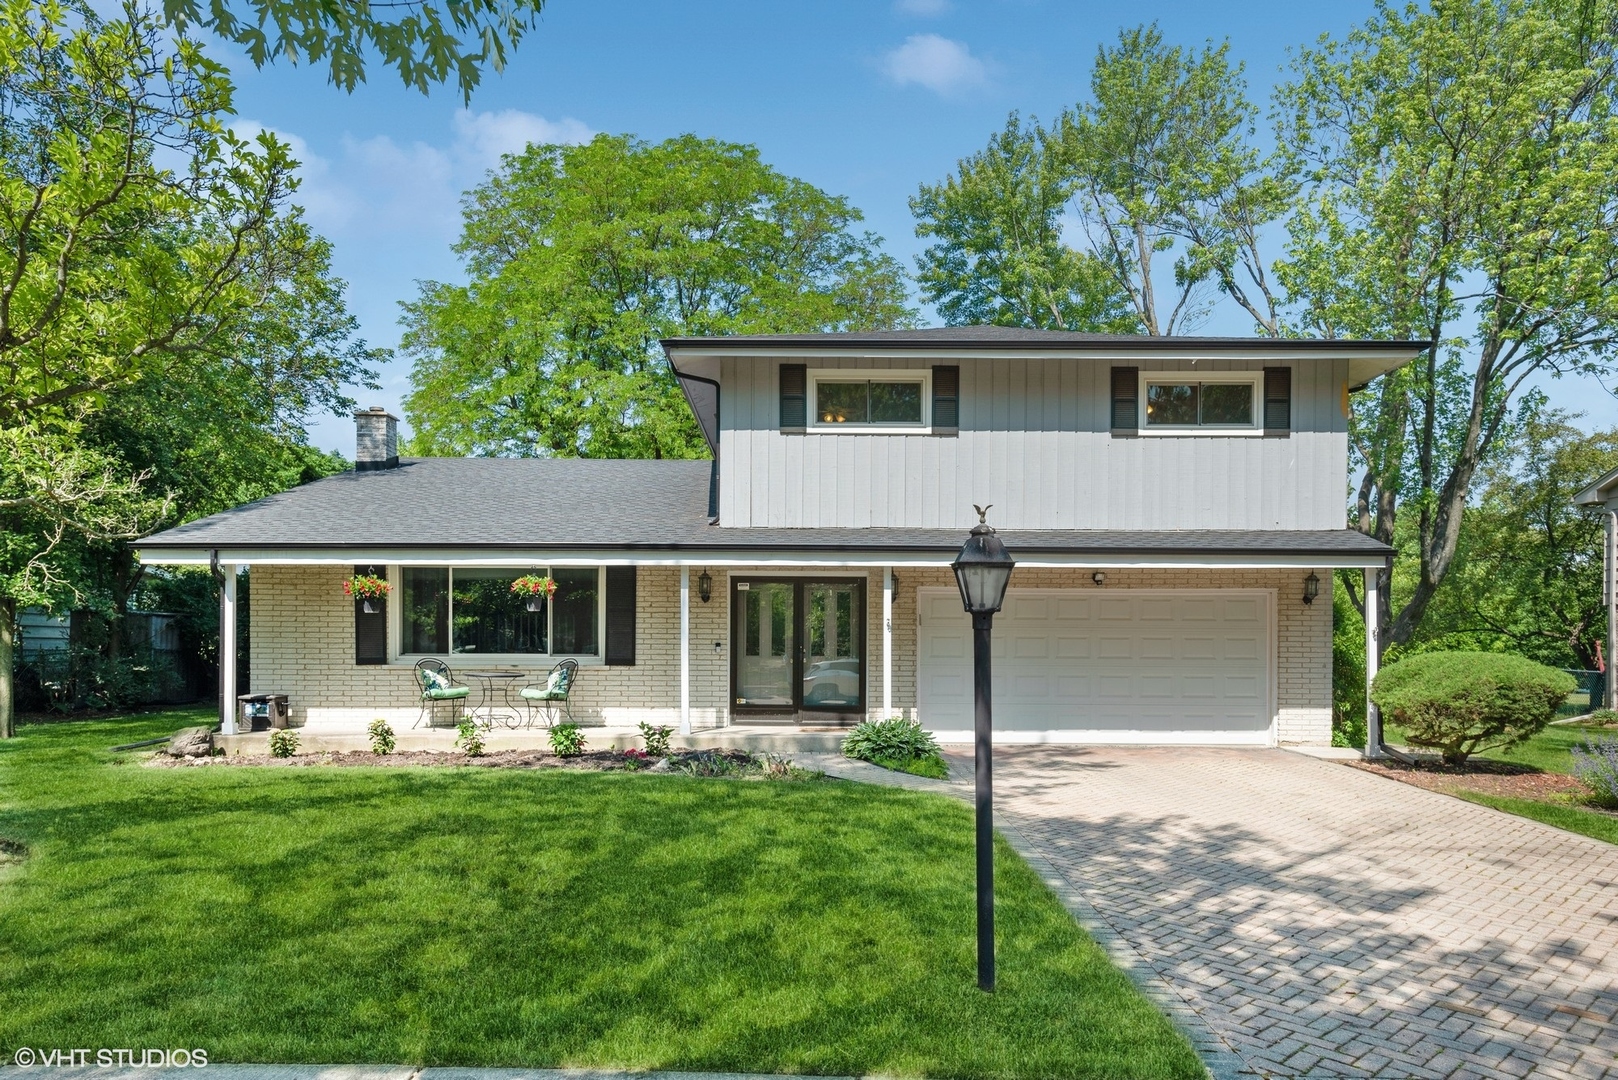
376 440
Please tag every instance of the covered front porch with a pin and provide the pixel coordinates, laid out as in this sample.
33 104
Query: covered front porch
1137 644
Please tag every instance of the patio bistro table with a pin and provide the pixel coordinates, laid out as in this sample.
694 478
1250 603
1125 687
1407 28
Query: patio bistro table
496 683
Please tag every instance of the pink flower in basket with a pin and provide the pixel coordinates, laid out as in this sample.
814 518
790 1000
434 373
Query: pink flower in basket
366 587
534 585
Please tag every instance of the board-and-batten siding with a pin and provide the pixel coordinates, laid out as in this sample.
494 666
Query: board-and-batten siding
1034 441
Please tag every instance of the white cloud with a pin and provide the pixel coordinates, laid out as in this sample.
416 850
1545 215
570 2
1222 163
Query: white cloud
371 188
486 136
925 8
939 64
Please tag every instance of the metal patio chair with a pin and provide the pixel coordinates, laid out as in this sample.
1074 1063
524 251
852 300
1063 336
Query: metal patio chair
555 696
440 693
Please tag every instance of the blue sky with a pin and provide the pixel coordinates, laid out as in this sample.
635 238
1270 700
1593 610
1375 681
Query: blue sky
863 98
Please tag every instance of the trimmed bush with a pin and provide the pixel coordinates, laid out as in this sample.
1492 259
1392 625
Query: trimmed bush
1596 764
1459 703
894 739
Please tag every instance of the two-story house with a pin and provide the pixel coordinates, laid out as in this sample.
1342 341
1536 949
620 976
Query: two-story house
1176 507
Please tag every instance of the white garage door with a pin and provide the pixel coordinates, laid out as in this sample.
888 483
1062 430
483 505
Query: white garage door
1082 665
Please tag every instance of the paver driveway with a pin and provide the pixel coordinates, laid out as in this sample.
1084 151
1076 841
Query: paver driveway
1326 922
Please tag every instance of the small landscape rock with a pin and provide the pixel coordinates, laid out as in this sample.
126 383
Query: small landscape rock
191 742
660 765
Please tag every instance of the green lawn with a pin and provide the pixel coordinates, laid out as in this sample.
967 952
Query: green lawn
489 917
1562 815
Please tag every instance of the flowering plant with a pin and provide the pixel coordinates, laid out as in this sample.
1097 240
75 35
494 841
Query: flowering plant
366 587
534 585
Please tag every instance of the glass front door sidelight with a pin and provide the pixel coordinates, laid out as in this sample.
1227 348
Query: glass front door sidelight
798 644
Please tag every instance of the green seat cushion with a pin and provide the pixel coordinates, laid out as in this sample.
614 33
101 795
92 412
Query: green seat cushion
447 693
534 693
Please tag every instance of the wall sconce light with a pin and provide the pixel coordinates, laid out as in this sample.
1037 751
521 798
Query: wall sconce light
1099 577
1311 588
705 586
718 648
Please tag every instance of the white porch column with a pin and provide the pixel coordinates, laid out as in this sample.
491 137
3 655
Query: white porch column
887 642
227 650
685 650
1609 584
1373 635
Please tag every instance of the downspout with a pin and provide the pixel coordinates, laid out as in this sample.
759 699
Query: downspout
718 399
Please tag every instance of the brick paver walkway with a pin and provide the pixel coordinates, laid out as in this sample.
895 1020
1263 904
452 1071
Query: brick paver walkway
1326 922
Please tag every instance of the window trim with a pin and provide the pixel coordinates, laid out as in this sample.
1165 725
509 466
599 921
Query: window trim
1252 379
921 376
398 658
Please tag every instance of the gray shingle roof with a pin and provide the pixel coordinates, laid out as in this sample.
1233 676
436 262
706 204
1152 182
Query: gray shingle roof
630 505
946 336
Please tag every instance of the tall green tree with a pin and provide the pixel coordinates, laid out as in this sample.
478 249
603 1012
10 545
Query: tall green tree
1459 163
117 273
1527 574
581 257
1162 166
998 254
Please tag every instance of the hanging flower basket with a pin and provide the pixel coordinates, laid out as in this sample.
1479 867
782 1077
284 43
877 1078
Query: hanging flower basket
370 589
534 590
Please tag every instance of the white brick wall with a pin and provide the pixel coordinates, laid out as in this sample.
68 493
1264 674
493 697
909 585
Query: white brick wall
303 645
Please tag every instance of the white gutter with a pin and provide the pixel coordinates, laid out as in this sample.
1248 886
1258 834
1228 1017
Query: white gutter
765 557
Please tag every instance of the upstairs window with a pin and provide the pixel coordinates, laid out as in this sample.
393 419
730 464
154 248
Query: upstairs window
869 400
1223 402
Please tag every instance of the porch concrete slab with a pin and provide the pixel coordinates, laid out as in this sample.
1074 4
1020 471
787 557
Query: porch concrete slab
1322 921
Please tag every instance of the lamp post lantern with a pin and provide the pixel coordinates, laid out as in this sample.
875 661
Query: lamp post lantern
982 570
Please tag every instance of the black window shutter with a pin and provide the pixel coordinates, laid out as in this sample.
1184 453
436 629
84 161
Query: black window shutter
1277 400
1125 401
794 397
946 399
621 615
370 630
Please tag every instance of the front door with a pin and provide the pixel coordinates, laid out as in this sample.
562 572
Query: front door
798 644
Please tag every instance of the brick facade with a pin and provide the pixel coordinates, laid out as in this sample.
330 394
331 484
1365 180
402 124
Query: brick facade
302 645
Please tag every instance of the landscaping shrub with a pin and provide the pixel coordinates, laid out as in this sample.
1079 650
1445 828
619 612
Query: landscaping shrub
895 739
1596 764
382 741
1462 702
567 740
469 737
283 743
657 739
1602 718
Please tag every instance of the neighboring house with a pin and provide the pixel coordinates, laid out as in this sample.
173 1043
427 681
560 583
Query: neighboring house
1168 500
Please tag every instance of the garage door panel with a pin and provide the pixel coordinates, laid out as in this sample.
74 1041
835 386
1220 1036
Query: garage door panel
1074 609
1113 647
1157 647
1081 662
1072 647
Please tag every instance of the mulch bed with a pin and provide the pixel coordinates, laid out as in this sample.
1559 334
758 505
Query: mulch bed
726 762
1480 775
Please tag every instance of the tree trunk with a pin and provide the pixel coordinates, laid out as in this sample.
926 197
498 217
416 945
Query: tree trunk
8 667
